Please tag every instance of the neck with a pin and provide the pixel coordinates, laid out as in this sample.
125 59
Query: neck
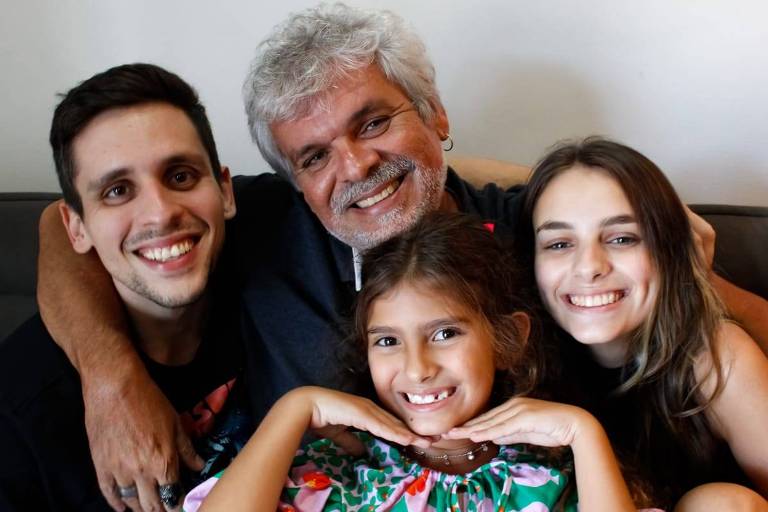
455 457
448 203
612 354
169 336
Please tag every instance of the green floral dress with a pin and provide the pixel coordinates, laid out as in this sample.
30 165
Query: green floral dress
324 478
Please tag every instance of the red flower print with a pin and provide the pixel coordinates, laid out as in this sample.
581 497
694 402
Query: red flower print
418 484
317 480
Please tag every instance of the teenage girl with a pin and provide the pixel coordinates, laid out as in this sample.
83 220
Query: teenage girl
442 327
682 392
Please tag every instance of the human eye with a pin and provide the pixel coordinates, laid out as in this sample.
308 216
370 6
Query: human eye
182 178
557 245
624 240
375 126
116 193
445 333
314 162
385 341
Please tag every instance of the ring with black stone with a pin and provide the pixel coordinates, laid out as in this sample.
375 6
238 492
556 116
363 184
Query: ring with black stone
170 494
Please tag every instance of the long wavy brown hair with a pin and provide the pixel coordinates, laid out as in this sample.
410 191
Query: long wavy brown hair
665 349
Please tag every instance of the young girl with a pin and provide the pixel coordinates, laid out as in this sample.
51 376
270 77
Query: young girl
443 328
680 391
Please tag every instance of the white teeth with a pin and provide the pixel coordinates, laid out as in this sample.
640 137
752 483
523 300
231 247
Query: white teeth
365 203
593 301
167 253
426 399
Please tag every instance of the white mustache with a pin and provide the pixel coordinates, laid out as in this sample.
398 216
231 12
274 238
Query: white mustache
387 171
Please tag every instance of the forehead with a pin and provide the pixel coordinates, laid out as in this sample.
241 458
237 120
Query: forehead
138 137
581 192
433 298
331 112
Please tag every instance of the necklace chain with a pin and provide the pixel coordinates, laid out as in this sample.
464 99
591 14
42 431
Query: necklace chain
447 458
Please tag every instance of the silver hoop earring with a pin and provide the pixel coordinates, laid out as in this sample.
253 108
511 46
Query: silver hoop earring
450 142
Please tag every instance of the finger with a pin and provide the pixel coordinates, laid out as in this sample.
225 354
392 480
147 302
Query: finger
131 501
187 452
108 487
480 424
149 499
388 427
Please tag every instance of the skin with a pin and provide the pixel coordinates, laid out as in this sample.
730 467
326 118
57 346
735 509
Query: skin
589 245
420 341
577 252
423 343
336 152
146 183
89 323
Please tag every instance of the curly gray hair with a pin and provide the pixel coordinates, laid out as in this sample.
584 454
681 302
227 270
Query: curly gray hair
317 47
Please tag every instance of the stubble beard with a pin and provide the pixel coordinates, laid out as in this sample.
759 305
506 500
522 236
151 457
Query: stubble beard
429 184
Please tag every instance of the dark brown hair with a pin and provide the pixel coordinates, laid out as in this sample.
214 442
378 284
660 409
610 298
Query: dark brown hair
682 326
457 256
118 87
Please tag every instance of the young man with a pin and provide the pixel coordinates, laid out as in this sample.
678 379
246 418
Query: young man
343 104
143 187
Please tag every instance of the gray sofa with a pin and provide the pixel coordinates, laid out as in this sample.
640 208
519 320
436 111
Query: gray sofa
742 243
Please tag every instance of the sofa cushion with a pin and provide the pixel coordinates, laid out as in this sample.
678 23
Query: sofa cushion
18 259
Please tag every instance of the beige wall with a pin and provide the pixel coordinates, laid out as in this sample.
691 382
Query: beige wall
684 81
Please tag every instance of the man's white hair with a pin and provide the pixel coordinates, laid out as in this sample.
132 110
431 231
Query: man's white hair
316 48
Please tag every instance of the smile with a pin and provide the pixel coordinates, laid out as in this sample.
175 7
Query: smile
428 399
597 300
388 191
171 252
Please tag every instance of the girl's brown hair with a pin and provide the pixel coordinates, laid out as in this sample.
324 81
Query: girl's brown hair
459 257
683 324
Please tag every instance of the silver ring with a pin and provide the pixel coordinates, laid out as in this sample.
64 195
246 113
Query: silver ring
170 494
128 491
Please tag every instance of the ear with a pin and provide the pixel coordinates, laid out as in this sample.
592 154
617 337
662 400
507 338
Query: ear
73 223
523 323
440 121
227 193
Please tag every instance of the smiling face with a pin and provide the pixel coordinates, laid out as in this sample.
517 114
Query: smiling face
593 269
152 208
368 165
431 361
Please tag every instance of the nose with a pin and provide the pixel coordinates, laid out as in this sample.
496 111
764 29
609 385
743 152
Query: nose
157 206
357 159
419 364
592 262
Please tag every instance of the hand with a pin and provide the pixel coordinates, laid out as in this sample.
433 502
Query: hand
526 420
135 438
704 238
334 411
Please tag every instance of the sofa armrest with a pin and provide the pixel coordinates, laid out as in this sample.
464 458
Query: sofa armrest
741 244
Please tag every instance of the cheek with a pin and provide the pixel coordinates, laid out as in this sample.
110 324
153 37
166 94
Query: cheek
546 276
381 375
317 193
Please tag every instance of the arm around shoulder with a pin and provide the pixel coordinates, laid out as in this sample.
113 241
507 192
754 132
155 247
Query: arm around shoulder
750 310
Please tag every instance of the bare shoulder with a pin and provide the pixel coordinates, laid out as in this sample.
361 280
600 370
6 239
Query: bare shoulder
744 376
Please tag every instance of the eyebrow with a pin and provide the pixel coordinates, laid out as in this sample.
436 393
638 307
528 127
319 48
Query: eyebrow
367 109
449 320
610 221
113 175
